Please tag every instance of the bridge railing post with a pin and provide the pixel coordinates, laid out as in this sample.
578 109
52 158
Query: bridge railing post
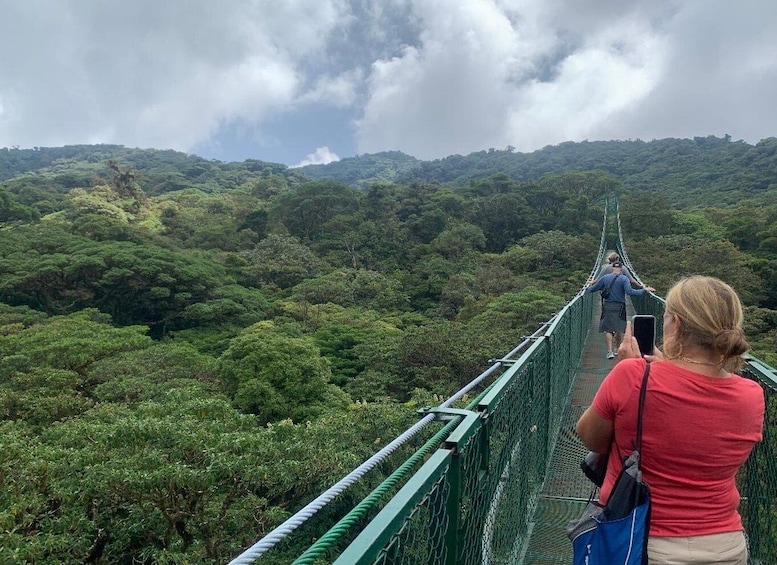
468 433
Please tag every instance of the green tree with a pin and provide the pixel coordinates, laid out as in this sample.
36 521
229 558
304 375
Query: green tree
351 287
647 215
177 479
277 376
41 396
256 221
54 271
99 201
504 219
381 245
70 343
458 240
150 373
518 313
10 210
306 210
101 227
337 344
552 251
282 261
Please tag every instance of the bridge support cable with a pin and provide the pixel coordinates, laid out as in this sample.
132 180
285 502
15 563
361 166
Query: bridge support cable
602 249
326 541
282 531
621 247
511 464
266 543
602 245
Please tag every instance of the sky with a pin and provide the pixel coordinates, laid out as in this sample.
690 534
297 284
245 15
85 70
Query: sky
313 81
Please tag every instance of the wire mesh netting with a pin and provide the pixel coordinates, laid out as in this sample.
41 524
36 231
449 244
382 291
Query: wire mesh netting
421 539
514 476
757 480
499 482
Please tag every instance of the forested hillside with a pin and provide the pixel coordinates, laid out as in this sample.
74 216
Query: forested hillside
191 350
703 171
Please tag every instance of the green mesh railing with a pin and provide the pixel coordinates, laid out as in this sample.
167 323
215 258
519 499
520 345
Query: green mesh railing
757 480
469 494
472 501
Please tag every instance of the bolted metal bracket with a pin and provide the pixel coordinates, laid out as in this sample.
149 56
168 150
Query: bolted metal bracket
445 414
502 361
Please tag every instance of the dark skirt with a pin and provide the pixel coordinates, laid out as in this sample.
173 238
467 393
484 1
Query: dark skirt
613 317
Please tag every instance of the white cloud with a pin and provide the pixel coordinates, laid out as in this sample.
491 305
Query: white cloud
338 91
428 77
444 96
719 77
321 156
614 70
491 74
153 74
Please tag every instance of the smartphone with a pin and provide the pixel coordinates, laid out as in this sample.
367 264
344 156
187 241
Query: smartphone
644 329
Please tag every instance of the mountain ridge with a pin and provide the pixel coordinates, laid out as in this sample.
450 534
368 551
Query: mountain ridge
689 172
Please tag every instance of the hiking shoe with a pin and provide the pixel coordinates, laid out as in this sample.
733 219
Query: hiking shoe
610 355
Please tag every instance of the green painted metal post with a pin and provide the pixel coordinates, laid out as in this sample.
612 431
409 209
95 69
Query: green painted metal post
454 508
469 426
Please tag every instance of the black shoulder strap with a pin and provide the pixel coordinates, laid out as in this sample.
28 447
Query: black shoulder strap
642 395
609 284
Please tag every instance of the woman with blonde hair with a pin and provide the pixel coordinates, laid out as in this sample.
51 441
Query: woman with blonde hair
700 424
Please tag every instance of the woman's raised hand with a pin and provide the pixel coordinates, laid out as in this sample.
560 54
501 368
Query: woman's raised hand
629 348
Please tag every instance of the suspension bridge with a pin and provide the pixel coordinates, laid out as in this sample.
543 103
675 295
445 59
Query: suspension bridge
497 476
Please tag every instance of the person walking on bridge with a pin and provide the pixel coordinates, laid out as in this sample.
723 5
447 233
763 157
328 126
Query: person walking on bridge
700 424
606 269
613 320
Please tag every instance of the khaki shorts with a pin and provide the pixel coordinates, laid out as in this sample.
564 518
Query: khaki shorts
729 548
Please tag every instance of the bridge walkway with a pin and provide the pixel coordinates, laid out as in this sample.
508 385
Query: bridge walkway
566 490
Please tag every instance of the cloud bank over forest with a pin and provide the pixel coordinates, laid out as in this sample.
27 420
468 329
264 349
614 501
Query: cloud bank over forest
309 81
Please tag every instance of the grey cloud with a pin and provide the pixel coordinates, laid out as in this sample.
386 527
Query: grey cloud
720 76
496 73
163 74
428 77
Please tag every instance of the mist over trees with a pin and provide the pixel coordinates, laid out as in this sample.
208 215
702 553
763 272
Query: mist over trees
190 350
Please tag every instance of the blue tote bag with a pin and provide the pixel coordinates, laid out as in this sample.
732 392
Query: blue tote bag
617 533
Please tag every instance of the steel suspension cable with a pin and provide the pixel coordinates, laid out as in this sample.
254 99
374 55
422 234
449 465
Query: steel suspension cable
334 533
622 247
291 524
602 249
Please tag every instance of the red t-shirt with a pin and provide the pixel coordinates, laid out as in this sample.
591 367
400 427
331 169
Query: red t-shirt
696 433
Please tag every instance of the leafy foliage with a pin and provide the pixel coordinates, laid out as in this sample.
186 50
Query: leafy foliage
273 375
281 260
185 337
70 343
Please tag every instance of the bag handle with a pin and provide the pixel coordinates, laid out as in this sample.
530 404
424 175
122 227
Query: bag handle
642 395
